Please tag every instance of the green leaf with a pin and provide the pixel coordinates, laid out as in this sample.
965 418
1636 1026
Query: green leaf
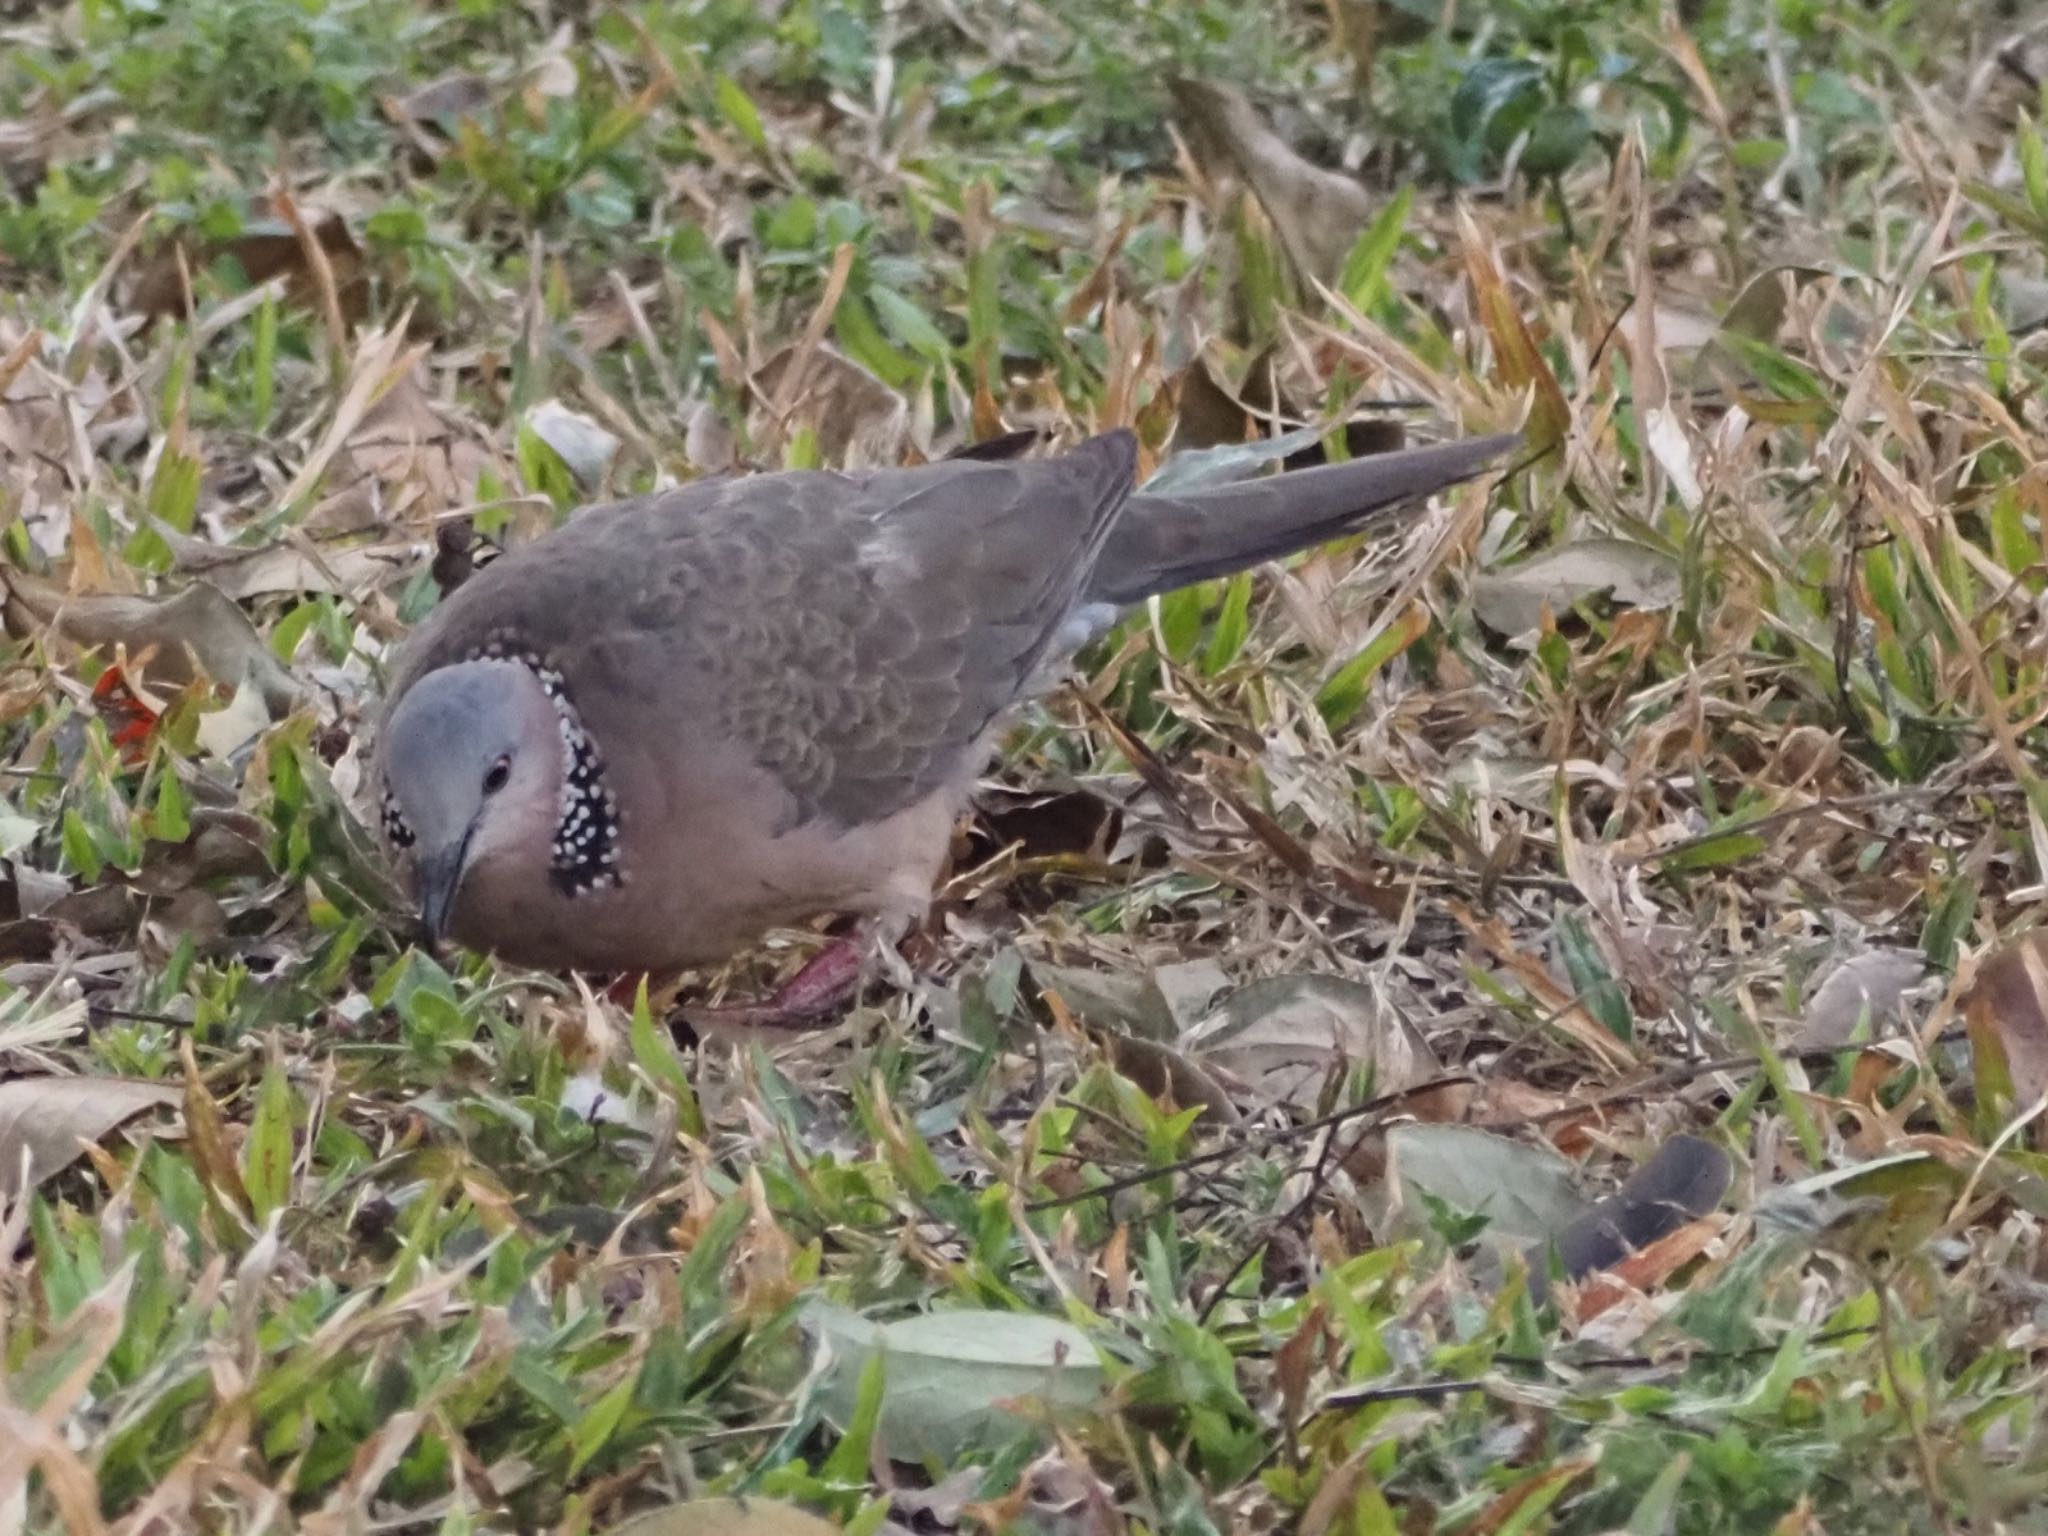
263 363
1557 137
79 850
1786 379
908 324
862 340
651 1050
267 1154
1595 985
1948 921
544 470
984 304
1365 269
601 1421
2033 167
1339 699
170 822
848 1463
738 109
1233 625
1180 620
1712 852
1494 99
955 1377
174 490
792 226
287 633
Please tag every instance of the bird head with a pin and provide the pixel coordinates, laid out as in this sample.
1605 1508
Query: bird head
472 763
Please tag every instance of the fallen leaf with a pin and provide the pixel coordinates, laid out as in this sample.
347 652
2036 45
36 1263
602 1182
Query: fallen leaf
264 249
409 442
708 440
1158 1005
587 448
1282 1035
1165 1073
860 422
224 732
1521 365
194 633
1205 413
443 102
1226 462
1524 1191
1512 602
1563 1009
725 1517
241 574
48 1120
1647 1268
1665 435
1318 213
955 1379
2006 1010
1859 997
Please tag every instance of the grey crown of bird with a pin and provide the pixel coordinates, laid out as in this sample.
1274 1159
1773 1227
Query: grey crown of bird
642 740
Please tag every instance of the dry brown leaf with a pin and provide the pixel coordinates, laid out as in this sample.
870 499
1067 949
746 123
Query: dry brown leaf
1283 1035
726 1517
51 426
190 634
1205 413
1563 1011
1648 1268
1866 988
415 448
44 133
860 422
265 248
47 1120
1521 366
1317 213
1512 601
241 574
2006 1010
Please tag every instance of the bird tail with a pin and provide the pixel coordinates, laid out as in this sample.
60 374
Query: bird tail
1164 542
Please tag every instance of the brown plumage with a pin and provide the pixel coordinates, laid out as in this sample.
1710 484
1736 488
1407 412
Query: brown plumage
769 696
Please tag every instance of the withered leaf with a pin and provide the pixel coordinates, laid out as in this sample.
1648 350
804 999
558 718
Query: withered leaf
47 1120
1318 213
1512 601
194 632
2006 1010
1282 1035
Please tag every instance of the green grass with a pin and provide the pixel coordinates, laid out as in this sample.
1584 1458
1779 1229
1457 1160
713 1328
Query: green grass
367 1241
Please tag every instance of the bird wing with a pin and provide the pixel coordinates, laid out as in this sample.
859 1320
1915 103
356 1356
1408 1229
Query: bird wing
856 634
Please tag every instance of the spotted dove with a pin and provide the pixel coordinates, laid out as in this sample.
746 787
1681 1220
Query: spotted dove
677 721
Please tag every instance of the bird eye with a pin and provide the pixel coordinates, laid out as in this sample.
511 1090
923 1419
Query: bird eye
501 770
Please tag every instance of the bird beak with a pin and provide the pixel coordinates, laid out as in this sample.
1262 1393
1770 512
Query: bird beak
437 878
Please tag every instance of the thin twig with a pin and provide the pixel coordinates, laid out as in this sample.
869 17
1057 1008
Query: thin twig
1260 1143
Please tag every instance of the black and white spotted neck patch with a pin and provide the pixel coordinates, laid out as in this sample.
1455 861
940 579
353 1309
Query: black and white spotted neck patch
585 855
